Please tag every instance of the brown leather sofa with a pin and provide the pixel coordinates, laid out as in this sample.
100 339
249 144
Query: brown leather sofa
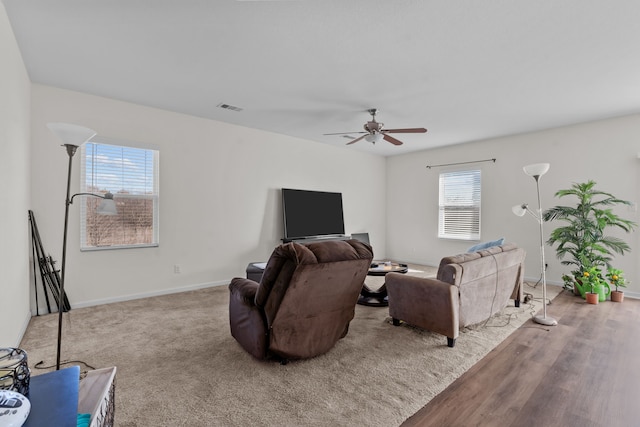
469 288
304 302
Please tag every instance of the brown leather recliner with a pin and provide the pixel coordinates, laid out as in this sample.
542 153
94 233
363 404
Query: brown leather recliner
304 302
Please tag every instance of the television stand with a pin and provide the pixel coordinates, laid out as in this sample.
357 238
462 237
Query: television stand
313 239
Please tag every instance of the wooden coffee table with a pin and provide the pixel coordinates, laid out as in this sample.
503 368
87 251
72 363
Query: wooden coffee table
378 297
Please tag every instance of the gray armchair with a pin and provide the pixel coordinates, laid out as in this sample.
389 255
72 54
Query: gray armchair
469 288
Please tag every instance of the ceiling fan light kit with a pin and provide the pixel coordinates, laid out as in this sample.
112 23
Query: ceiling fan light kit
374 131
374 137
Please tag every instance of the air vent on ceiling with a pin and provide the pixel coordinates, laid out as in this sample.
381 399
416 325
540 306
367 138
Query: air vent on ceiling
229 107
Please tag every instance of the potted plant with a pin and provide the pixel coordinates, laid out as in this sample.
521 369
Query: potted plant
591 280
616 278
581 241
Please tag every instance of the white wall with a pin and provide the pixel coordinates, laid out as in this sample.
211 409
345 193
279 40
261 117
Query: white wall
220 202
604 151
14 190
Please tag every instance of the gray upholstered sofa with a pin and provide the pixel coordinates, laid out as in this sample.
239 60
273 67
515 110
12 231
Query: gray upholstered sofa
469 288
304 302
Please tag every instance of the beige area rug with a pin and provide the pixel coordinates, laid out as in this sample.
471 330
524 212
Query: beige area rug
179 366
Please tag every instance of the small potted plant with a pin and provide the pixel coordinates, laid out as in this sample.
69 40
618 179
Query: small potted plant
591 280
616 278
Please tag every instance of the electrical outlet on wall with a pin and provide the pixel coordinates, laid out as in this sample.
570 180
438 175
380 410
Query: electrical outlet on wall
177 269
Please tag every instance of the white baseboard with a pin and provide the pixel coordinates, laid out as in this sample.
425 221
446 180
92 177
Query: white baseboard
25 325
627 294
549 282
91 303
634 295
150 294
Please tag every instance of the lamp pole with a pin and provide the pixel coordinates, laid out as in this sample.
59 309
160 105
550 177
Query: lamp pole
72 136
71 150
536 171
544 320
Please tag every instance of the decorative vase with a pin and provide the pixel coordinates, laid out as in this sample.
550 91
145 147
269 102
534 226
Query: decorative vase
14 371
617 296
592 298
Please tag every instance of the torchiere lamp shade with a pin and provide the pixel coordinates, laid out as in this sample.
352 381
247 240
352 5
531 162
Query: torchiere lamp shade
71 134
537 169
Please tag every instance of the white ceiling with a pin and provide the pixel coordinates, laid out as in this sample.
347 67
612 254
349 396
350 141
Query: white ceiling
464 69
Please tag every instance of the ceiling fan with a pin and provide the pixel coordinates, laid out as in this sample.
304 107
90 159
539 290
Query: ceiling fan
375 133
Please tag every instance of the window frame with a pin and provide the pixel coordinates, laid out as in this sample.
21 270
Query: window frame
118 196
471 230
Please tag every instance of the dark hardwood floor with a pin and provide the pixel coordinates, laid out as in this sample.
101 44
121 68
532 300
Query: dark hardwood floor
584 372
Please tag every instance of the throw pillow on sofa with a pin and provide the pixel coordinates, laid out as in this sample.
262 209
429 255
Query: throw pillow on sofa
486 245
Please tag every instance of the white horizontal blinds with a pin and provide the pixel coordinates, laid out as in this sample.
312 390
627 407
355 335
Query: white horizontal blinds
131 174
459 205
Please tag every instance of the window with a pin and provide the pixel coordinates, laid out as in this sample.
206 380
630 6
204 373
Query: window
459 216
130 172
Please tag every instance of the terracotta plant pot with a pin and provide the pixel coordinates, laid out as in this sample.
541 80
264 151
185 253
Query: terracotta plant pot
591 298
617 296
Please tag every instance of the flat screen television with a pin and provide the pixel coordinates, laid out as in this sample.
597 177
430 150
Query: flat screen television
309 214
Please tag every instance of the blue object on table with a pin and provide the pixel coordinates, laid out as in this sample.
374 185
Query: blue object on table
54 398
83 420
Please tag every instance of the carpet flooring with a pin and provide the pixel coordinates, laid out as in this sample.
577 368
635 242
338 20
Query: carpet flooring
179 366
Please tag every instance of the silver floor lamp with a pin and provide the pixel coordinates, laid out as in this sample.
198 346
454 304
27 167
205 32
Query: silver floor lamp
536 171
74 136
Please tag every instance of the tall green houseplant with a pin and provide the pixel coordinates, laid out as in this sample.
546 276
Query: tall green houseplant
581 241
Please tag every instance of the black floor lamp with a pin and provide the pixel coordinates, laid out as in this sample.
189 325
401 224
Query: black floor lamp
73 136
536 171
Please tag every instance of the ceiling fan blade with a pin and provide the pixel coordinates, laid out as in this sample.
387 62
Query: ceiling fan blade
343 133
392 140
357 139
407 130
